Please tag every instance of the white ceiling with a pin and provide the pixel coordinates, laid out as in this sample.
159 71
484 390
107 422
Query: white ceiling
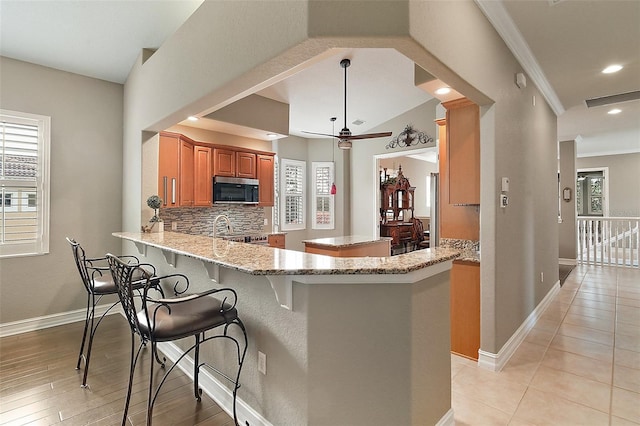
96 38
570 42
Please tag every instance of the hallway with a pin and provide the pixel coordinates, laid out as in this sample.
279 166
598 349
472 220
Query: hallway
579 365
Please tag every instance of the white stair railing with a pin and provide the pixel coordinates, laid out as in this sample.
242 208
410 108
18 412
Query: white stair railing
609 241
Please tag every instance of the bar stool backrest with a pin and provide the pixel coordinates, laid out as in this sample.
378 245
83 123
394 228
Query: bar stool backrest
122 274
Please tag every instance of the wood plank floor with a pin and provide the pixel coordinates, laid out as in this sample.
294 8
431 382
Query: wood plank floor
39 384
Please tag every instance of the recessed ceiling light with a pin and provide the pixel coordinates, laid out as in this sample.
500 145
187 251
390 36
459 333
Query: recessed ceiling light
192 118
611 69
271 135
443 91
614 111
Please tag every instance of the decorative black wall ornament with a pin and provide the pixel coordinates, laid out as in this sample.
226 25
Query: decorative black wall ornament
408 137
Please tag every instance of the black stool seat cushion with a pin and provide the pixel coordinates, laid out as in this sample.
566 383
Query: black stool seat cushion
103 284
183 319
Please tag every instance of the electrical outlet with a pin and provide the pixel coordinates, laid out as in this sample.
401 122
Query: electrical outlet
541 277
262 363
266 221
174 226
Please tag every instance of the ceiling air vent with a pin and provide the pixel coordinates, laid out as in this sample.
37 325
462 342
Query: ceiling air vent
613 99
358 122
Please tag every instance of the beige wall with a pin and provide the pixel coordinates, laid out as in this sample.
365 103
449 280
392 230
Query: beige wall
365 201
518 140
451 40
567 228
86 184
624 174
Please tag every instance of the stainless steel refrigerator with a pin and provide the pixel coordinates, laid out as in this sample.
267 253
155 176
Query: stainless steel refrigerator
434 221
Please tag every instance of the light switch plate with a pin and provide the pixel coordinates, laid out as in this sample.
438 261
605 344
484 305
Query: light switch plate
505 184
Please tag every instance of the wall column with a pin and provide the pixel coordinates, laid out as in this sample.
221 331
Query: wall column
567 222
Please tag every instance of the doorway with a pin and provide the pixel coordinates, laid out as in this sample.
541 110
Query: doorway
592 192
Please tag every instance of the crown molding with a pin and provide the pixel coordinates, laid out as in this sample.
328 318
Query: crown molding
498 16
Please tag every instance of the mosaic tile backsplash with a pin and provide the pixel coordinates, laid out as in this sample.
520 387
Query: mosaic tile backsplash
245 219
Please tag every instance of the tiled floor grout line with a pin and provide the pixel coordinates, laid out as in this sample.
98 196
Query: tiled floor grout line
546 348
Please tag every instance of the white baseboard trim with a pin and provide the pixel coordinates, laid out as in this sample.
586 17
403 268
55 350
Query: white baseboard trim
447 419
568 262
495 362
38 323
212 387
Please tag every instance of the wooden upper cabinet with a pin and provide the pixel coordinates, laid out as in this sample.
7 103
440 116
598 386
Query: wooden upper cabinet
224 162
245 165
463 146
186 173
169 170
202 183
265 177
175 170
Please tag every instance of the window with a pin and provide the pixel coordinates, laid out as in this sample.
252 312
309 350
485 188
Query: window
24 183
323 201
293 195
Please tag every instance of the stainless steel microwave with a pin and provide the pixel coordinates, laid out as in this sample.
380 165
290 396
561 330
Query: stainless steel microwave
235 190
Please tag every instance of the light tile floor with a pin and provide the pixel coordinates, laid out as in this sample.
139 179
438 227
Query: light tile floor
579 365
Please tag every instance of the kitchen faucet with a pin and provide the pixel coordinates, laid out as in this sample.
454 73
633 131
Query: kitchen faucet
226 219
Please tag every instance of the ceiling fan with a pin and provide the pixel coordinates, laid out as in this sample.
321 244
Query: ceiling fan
345 137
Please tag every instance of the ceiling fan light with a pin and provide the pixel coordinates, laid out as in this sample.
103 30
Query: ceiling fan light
611 69
343 144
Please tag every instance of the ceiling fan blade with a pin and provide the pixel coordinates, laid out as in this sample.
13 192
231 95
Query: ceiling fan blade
320 134
368 136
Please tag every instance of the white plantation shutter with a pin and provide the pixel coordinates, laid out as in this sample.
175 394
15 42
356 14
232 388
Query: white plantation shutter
323 201
293 194
24 184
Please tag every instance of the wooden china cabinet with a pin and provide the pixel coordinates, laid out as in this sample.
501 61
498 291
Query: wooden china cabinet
396 208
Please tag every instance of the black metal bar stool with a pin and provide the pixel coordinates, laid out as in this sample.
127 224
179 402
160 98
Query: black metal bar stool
164 320
97 280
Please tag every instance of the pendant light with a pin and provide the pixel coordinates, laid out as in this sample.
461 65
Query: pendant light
333 132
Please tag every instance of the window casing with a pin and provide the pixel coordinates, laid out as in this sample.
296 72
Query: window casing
293 195
323 202
24 183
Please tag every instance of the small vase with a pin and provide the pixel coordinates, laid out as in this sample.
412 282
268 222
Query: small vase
157 227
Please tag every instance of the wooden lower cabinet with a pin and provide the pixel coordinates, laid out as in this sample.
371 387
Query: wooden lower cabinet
276 240
465 309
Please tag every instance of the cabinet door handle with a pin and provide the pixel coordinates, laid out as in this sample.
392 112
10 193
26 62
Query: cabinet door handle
164 190
173 190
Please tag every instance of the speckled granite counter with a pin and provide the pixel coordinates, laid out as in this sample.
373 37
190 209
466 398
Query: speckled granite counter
349 246
351 240
469 249
342 319
261 260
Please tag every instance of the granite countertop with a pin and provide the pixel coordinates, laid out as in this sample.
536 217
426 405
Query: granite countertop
469 249
346 241
263 260
469 256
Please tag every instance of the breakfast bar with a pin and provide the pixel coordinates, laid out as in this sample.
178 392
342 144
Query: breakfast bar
357 340
349 246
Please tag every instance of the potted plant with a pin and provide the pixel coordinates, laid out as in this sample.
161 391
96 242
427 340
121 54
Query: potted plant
155 223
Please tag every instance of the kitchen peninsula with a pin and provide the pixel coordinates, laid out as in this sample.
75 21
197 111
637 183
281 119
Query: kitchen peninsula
360 341
349 246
